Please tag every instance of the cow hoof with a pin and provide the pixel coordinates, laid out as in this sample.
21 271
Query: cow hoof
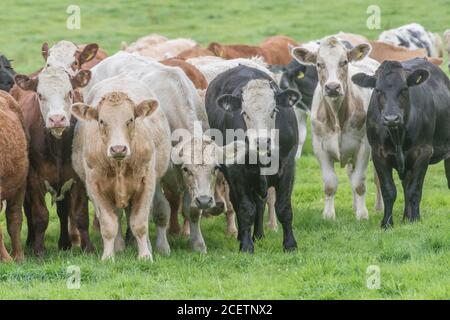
362 215
387 225
39 252
64 245
258 236
108 257
174 230
199 246
163 248
329 215
247 247
146 257
272 226
19 257
290 245
232 232
89 248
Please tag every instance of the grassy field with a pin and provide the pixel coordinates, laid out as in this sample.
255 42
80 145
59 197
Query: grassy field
333 256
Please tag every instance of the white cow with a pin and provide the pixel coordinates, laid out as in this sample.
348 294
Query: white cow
121 150
338 117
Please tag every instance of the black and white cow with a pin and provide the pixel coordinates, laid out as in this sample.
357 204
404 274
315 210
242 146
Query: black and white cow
414 36
7 74
246 99
408 127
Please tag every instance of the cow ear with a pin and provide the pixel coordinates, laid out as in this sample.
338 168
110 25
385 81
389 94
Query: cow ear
89 52
84 112
228 102
232 153
44 51
417 77
25 83
291 96
146 108
359 52
364 80
304 56
81 79
216 48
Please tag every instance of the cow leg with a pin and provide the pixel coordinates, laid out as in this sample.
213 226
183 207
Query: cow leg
109 227
358 181
174 200
447 171
62 208
161 216
229 211
128 234
14 224
283 205
119 243
388 189
413 183
30 231
330 181
302 130
379 205
39 213
4 255
80 213
271 199
246 216
258 231
196 237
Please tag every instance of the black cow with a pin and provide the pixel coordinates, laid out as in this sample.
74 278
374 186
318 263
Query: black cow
246 98
408 127
7 74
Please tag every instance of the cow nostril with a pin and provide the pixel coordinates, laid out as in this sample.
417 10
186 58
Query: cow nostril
392 119
118 150
57 120
204 202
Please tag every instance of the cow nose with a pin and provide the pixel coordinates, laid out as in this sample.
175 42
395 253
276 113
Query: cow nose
204 202
57 120
333 89
118 151
391 120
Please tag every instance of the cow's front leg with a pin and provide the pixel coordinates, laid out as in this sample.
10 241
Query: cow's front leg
161 216
196 237
39 213
62 208
358 181
413 183
271 199
330 184
388 189
4 255
246 217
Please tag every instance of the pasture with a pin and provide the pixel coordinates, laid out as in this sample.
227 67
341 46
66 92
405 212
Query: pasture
333 256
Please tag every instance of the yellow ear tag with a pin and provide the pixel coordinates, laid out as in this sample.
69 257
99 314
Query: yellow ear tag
301 75
91 55
418 79
359 54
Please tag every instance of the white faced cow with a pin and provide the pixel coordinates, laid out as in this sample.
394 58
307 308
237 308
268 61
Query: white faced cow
338 117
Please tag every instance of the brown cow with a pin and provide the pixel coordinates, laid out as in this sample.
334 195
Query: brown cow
45 102
194 52
274 50
382 51
13 171
197 78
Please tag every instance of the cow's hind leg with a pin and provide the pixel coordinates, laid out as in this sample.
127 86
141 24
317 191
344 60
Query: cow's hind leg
447 171
271 199
388 189
80 213
14 222
28 215
62 208
161 216
4 255
258 231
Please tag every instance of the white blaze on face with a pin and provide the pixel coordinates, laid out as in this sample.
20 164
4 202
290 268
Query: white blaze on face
259 112
62 55
332 66
55 97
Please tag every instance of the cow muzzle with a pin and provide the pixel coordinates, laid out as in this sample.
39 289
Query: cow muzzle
333 90
118 152
57 124
392 121
204 202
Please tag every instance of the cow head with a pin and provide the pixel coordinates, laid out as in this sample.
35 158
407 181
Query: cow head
331 61
55 92
391 85
6 74
258 105
67 55
302 78
116 114
199 159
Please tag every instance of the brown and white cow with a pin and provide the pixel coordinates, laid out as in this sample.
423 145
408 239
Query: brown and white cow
121 151
194 52
274 50
338 117
13 172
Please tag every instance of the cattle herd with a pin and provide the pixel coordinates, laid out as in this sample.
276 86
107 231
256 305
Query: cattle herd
167 126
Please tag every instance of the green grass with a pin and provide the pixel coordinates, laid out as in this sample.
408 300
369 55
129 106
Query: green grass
332 257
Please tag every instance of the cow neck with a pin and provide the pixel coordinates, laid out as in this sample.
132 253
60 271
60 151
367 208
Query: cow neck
336 121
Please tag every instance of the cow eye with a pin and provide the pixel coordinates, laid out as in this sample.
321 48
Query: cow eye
130 121
343 63
319 65
102 122
185 170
